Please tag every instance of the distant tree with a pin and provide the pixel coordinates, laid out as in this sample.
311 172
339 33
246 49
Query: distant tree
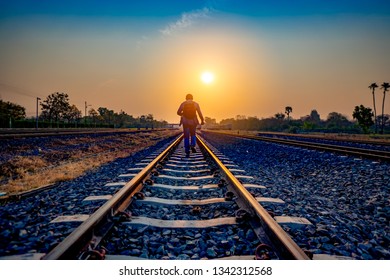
288 110
229 122
73 114
142 120
385 87
149 121
102 111
308 125
337 120
373 86
363 116
106 114
311 121
241 122
9 112
120 119
210 121
55 107
279 116
315 117
94 115
384 121
130 121
12 110
253 123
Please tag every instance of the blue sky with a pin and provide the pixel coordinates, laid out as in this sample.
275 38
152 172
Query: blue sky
171 8
98 8
265 55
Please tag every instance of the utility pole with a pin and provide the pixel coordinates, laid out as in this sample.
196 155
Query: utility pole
36 125
10 119
85 115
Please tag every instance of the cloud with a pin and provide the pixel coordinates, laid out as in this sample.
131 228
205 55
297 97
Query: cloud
107 83
141 42
186 20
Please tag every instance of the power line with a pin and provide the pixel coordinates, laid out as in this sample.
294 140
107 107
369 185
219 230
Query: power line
18 90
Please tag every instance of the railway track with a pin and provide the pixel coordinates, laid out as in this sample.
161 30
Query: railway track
346 150
173 207
325 137
376 145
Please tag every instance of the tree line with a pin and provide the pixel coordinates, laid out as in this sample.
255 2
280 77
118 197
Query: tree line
365 120
56 111
280 122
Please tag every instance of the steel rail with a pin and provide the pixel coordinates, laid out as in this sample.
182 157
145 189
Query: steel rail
335 147
376 142
69 248
273 229
373 154
359 152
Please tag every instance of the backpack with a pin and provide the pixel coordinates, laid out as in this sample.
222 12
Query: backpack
189 110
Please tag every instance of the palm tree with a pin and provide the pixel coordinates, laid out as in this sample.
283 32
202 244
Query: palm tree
288 111
385 87
373 86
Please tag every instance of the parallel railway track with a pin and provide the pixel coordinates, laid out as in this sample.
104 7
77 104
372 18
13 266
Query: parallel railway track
206 178
346 150
333 138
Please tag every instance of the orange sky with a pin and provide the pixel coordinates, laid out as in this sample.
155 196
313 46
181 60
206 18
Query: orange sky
146 65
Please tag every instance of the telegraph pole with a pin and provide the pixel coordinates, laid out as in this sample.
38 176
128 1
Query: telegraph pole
36 124
85 115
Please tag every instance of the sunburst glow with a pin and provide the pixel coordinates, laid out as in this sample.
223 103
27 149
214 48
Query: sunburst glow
207 77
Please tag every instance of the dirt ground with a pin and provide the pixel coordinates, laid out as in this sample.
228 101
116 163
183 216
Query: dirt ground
31 164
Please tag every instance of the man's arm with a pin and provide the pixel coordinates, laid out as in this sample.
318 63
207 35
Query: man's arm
180 110
200 114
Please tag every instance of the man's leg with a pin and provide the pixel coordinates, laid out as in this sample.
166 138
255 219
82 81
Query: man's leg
186 131
193 138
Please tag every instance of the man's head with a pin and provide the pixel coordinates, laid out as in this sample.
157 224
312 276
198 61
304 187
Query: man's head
189 97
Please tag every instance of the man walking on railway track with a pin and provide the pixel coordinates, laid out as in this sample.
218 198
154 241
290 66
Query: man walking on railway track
188 111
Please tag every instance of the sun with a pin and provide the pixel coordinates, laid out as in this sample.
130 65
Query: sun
207 77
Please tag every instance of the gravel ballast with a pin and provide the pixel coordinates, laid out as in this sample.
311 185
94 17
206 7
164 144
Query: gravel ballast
345 198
